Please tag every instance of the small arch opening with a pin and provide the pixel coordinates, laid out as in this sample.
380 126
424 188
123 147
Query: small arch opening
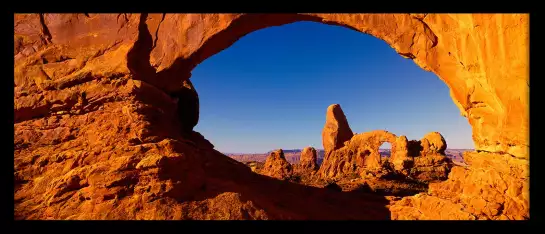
385 151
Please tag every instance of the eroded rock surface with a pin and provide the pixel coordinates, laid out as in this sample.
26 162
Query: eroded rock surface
430 163
276 166
308 159
336 129
494 186
97 131
433 143
360 152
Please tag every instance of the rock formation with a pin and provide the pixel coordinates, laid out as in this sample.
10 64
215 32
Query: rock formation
433 143
360 152
336 129
401 160
474 192
94 117
427 160
308 159
276 166
423 160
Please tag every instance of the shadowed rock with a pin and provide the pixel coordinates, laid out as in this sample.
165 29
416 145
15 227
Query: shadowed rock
187 106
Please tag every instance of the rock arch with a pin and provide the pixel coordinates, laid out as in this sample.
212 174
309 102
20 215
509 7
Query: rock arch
425 38
162 49
483 58
361 151
372 142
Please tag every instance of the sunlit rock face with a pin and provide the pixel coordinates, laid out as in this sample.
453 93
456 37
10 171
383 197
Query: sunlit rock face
336 130
308 159
97 120
276 165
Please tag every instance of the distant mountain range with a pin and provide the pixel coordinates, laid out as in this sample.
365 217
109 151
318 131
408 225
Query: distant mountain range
292 155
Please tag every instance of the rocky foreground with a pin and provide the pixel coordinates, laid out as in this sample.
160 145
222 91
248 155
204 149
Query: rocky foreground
104 112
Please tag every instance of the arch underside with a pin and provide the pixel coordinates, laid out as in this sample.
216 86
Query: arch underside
126 64
413 36
482 58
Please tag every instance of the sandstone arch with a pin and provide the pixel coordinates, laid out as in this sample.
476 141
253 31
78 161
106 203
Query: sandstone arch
372 141
450 45
483 58
361 151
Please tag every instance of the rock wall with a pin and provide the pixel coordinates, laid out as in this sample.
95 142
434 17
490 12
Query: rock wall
93 100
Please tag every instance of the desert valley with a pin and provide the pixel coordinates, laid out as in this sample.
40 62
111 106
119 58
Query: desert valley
293 155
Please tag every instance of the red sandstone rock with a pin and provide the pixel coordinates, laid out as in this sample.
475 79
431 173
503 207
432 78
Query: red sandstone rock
401 161
97 132
308 159
474 192
174 45
433 142
276 166
336 129
431 163
359 153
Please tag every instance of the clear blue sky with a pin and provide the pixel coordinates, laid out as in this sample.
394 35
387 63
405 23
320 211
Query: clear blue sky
272 87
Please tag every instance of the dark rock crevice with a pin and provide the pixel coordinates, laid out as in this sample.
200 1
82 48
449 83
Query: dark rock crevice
138 57
429 33
46 35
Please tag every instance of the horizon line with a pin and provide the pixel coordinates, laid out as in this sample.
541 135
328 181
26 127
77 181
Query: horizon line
323 149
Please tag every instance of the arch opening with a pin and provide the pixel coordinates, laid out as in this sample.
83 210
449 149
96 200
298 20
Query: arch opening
224 70
412 36
385 151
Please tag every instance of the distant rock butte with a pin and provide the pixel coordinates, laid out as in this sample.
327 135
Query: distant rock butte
276 166
308 159
100 131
